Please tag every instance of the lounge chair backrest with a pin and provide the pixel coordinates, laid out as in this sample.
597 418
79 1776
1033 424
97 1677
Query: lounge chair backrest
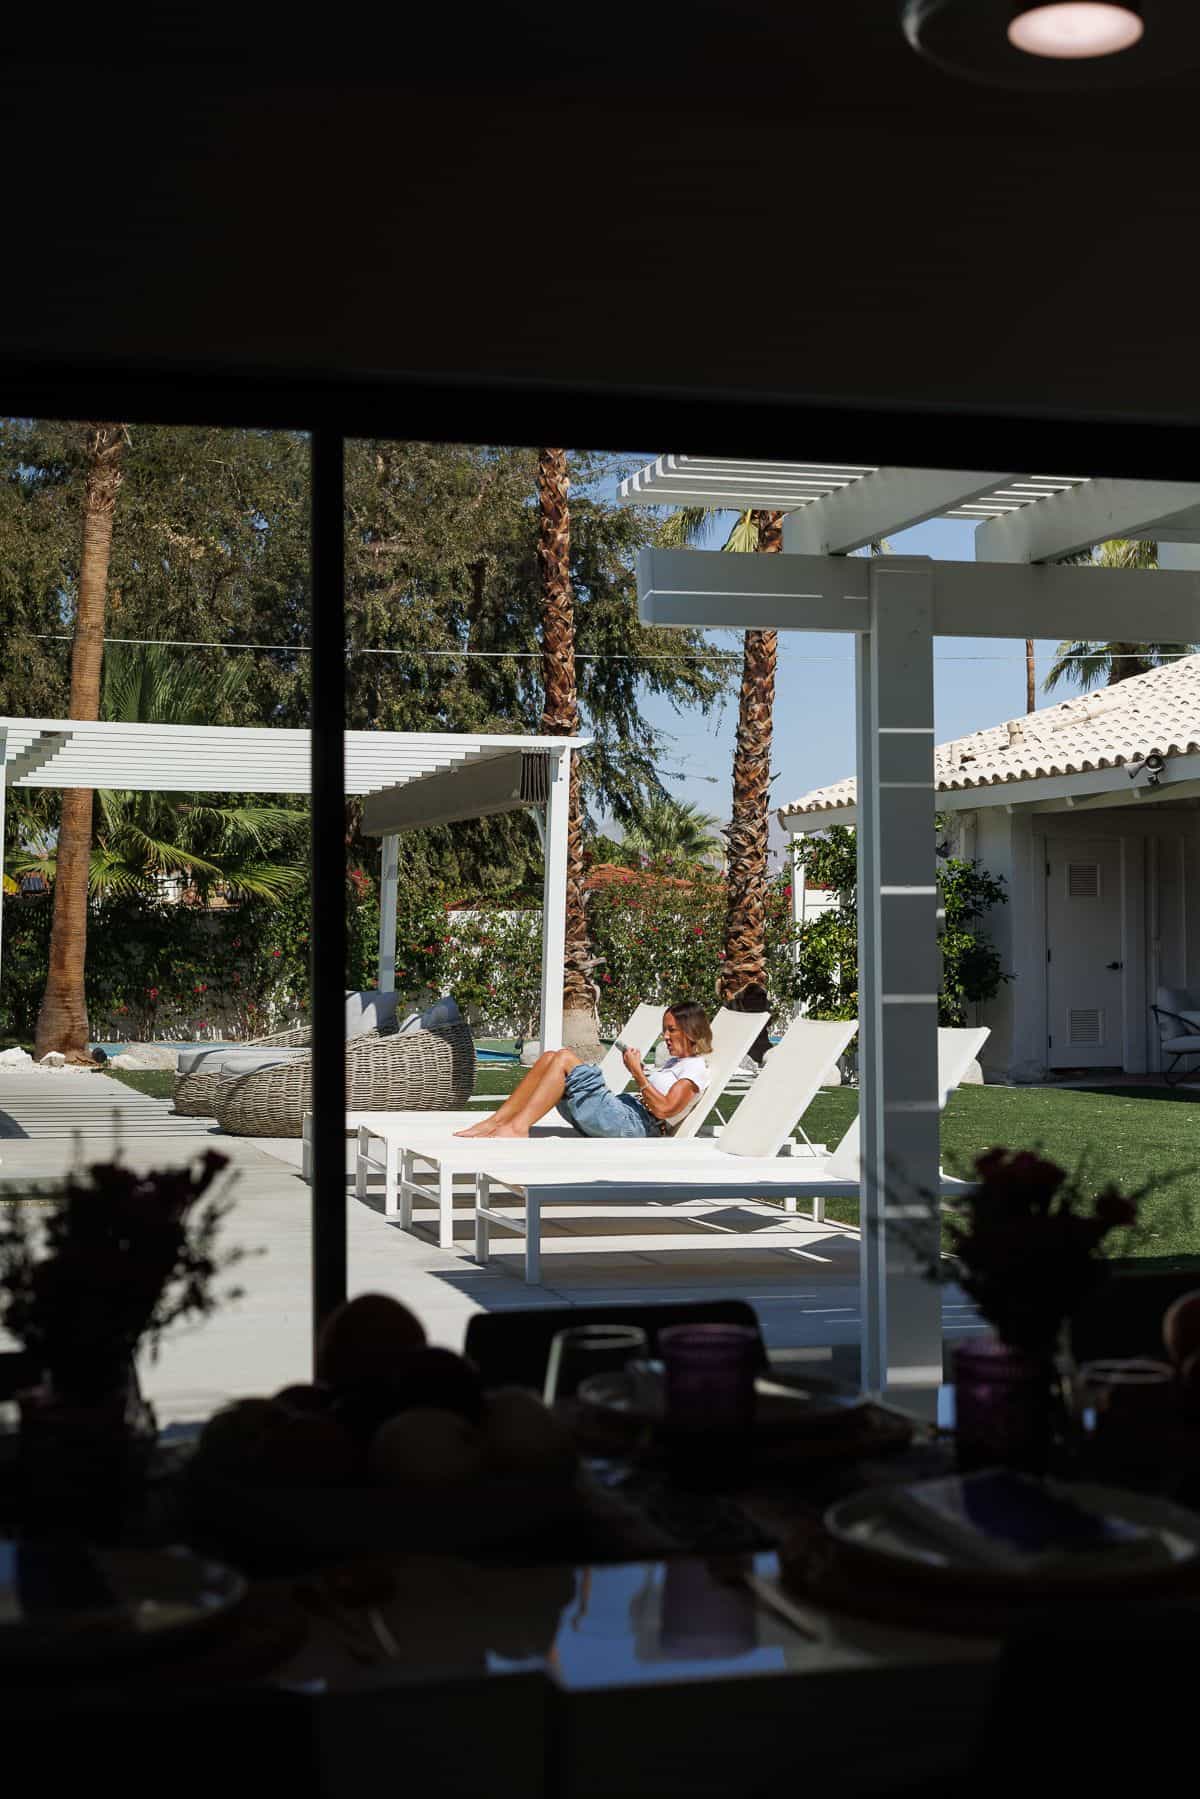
1172 1003
642 1031
957 1049
732 1035
781 1092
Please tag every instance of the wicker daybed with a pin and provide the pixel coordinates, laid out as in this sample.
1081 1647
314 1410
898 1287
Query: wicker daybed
421 1071
196 1091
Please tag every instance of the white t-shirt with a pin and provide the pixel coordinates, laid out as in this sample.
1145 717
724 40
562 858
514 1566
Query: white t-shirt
680 1068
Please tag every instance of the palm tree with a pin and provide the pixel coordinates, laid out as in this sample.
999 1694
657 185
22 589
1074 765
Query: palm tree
1104 664
1030 677
139 838
677 829
744 966
560 717
62 1022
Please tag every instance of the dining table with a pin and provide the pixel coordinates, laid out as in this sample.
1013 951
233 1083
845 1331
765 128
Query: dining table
685 1629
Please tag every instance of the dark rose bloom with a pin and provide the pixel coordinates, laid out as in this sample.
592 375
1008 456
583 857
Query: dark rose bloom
1114 1211
1019 1178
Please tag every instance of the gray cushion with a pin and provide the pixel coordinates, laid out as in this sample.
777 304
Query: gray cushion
248 1061
441 1013
411 1023
370 1011
1178 1000
1182 1046
205 1056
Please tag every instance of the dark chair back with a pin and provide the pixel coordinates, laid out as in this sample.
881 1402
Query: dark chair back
511 1349
1125 1317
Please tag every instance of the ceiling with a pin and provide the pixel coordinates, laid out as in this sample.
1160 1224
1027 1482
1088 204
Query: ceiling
755 201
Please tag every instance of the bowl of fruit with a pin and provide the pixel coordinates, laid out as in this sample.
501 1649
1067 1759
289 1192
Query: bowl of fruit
394 1445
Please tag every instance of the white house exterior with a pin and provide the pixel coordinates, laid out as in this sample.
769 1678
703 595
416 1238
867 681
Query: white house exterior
1101 857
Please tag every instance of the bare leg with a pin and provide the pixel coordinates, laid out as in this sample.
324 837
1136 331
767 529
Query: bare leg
537 1093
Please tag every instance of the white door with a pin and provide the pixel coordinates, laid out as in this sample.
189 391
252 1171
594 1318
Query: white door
1083 950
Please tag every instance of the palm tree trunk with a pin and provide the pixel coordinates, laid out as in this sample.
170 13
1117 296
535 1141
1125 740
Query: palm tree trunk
1030 677
62 1019
560 717
745 964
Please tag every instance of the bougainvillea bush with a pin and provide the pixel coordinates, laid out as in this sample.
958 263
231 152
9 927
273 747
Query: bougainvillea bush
174 973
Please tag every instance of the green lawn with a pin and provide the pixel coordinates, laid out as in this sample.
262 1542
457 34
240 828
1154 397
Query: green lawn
159 1083
1126 1133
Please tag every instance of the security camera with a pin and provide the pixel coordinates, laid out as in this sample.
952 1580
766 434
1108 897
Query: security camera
1152 766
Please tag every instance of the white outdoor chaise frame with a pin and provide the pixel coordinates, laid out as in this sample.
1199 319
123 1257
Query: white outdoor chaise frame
797 1066
450 1158
706 1171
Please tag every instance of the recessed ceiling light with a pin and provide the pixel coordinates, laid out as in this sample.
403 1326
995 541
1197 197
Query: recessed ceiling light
1055 44
1076 29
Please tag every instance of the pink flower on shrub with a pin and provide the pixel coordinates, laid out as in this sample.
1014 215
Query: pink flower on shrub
153 992
696 931
277 952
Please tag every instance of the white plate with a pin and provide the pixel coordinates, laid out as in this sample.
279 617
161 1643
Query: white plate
867 1527
59 1603
784 1404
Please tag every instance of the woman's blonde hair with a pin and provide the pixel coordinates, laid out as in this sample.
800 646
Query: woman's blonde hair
693 1021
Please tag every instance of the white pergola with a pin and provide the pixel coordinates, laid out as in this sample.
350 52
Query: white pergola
895 606
408 780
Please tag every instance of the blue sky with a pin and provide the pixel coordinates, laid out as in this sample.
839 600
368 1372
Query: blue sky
978 681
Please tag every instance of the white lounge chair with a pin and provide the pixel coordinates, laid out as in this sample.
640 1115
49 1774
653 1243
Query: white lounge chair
641 1031
744 1163
809 1050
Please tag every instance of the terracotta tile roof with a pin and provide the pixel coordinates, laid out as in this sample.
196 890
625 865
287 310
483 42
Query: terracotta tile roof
1159 711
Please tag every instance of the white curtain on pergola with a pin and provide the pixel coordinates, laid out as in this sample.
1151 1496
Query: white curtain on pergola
408 780
895 606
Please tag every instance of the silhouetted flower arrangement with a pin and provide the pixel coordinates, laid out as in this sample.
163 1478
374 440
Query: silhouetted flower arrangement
1025 1241
92 1268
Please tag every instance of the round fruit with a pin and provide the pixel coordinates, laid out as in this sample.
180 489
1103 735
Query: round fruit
1181 1328
258 1443
363 1337
524 1437
425 1446
301 1398
421 1377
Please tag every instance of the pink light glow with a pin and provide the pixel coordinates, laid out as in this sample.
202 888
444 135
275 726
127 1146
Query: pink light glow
1074 29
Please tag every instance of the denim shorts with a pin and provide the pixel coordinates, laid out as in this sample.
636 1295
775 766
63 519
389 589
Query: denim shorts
591 1108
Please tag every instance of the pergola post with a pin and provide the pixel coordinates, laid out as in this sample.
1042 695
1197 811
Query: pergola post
554 899
898 975
389 876
3 827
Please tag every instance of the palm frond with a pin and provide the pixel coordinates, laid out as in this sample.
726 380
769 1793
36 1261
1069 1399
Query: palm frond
744 535
687 526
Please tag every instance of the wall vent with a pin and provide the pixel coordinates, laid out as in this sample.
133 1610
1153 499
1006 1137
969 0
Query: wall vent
1086 1025
1083 880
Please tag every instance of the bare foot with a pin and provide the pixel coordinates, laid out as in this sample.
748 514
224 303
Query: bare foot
485 1128
511 1130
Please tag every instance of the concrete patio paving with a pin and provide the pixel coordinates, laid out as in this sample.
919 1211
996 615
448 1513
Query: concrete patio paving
801 1277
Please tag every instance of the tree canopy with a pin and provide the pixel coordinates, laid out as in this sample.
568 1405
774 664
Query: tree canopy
211 547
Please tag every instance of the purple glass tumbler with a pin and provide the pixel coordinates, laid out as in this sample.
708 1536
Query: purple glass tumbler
710 1370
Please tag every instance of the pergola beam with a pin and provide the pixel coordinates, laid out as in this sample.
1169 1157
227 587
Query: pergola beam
1083 516
881 504
830 593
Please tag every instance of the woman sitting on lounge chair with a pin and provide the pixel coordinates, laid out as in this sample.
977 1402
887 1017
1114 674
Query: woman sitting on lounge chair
559 1078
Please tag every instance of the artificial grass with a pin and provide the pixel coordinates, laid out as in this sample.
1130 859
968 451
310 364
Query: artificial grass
159 1083
1123 1134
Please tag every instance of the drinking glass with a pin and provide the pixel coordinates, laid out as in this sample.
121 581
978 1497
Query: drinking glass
710 1370
590 1349
1126 1411
575 1355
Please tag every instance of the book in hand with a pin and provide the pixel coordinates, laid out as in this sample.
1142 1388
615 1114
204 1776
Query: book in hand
1014 1523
